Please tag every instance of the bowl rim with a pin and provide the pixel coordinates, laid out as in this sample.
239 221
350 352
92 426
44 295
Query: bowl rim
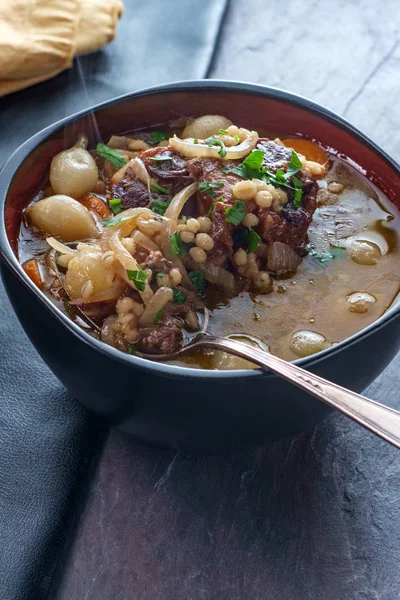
11 166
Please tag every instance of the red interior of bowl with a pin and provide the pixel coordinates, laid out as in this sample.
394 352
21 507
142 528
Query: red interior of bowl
247 108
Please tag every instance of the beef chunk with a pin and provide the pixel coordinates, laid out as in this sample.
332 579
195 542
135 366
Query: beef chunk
156 262
162 338
180 310
173 173
288 225
132 192
210 169
276 156
221 232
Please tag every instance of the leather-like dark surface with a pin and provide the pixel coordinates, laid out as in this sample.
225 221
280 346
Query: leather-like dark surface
47 439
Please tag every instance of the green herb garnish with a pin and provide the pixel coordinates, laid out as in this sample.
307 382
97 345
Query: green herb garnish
210 210
116 206
176 245
160 275
111 221
209 187
158 316
160 206
236 213
197 280
298 191
213 141
236 137
113 156
252 238
195 141
131 349
294 165
159 188
157 136
178 297
161 158
252 168
223 132
138 277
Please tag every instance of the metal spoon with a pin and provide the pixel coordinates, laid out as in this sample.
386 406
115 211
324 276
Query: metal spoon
381 420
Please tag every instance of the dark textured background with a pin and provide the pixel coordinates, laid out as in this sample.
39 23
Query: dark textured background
313 517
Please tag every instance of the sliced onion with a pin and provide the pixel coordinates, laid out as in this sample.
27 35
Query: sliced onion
142 240
177 203
216 275
137 166
125 226
62 248
111 294
282 258
162 296
151 227
128 263
191 150
120 142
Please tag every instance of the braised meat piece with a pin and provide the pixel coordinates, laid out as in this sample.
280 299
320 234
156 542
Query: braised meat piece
132 192
180 310
162 338
221 232
172 173
275 155
210 169
157 262
289 225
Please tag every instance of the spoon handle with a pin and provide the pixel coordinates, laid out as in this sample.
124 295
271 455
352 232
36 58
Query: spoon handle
381 420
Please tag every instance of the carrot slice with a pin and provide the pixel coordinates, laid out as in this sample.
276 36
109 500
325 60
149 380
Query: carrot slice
310 150
92 202
31 268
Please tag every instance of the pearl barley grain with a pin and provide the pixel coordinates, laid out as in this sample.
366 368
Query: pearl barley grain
205 241
198 254
244 190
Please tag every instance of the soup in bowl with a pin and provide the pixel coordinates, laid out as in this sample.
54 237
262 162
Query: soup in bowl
225 208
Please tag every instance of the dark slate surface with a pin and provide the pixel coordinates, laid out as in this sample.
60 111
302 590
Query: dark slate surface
47 440
316 517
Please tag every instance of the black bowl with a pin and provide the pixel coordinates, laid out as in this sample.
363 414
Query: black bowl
165 404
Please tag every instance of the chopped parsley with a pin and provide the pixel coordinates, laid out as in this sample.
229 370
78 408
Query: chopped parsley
159 188
197 280
131 349
176 245
252 238
178 297
138 277
157 136
294 165
298 192
113 156
160 206
236 213
210 210
115 220
223 132
252 168
159 275
195 141
209 187
116 206
236 137
158 316
161 157
213 141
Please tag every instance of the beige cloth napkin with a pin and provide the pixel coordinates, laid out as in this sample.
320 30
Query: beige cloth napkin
39 38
